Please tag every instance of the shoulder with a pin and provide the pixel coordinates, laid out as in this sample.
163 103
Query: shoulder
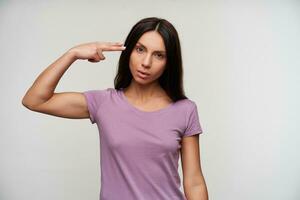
97 96
186 104
99 91
188 108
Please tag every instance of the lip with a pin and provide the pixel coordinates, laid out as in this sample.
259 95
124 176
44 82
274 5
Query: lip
142 75
143 72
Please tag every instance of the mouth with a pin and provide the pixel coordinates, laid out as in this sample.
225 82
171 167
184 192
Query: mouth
143 74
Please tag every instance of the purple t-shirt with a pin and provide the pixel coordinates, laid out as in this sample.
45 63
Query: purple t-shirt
139 150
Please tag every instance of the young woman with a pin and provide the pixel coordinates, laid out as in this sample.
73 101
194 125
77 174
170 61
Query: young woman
144 122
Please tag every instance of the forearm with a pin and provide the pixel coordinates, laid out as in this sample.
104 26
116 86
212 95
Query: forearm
43 87
197 192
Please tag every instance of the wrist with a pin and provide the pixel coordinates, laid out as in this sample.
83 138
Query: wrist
72 54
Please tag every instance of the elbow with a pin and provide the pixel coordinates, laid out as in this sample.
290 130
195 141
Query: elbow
196 192
26 104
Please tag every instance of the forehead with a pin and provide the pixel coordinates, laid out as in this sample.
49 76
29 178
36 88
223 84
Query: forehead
152 40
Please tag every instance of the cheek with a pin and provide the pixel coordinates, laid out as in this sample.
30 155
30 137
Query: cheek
162 66
160 69
133 61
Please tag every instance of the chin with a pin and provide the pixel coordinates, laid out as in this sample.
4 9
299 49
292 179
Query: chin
141 81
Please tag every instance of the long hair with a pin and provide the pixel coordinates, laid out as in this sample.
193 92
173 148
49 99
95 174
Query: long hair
172 78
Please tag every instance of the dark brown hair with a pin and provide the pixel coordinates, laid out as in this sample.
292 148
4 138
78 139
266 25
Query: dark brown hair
172 78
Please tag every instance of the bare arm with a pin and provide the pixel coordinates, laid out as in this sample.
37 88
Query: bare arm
41 97
194 184
43 87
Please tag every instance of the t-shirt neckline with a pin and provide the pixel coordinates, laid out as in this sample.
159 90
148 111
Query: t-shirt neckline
137 110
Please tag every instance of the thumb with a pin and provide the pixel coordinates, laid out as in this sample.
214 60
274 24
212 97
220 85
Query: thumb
99 52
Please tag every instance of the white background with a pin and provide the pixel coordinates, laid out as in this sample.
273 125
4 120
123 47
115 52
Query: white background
241 67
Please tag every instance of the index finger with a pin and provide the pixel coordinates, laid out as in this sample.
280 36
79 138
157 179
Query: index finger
113 43
113 48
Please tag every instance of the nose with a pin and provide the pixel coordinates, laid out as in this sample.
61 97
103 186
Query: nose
147 60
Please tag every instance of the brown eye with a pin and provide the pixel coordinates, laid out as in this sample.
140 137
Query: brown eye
139 49
160 56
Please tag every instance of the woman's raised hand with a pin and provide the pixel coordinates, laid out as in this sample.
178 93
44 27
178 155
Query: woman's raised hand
93 51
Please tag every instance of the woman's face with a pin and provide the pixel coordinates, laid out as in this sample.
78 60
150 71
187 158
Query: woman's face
148 56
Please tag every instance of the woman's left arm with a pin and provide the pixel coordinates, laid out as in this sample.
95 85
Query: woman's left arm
193 180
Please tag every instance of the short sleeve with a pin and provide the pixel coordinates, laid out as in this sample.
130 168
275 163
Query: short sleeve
94 99
193 126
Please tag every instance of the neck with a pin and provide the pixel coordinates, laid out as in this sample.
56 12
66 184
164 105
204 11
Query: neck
144 92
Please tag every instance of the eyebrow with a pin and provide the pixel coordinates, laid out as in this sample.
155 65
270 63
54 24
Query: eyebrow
146 48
